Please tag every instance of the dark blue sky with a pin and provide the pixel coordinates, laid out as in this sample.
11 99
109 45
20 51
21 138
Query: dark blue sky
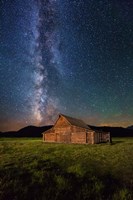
73 57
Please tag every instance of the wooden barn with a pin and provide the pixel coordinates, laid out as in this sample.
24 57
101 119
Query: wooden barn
70 130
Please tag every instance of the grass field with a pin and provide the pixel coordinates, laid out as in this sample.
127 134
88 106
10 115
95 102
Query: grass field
31 169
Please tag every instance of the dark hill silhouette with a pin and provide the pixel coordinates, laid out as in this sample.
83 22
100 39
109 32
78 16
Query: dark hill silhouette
8 134
33 131
115 131
130 127
29 131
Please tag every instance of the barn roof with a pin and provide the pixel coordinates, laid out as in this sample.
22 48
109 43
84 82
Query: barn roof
75 122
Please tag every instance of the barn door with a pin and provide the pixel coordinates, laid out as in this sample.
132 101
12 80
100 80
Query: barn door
63 137
88 138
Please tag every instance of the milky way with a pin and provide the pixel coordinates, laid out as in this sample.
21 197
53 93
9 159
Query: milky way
46 54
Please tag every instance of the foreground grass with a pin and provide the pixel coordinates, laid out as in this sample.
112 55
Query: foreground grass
31 169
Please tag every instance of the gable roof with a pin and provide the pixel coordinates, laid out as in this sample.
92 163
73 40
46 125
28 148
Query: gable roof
75 122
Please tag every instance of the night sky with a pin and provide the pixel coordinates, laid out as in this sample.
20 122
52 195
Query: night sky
66 56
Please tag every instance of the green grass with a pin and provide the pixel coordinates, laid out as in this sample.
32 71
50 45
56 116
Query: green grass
31 169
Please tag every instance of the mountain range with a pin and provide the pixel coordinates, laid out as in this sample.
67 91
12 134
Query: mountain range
28 131
130 127
115 131
33 131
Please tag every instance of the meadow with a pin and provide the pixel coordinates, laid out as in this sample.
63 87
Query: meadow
31 169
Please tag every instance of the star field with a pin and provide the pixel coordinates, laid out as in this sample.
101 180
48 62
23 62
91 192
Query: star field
73 57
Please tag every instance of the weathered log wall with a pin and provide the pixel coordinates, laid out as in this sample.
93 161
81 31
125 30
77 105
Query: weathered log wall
62 122
50 137
63 137
78 137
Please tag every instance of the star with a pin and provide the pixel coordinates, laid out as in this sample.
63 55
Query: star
70 57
